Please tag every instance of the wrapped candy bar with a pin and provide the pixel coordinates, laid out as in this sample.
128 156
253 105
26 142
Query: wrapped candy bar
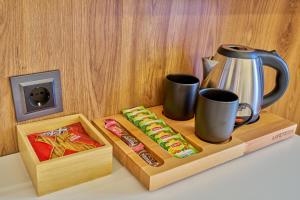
146 156
133 143
114 127
117 129
61 142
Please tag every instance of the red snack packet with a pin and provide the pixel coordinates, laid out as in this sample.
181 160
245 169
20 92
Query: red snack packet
61 142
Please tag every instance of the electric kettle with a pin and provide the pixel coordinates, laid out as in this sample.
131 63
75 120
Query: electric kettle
240 69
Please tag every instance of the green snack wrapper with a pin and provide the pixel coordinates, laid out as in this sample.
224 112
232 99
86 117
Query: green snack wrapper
136 119
162 135
173 144
176 145
159 132
132 110
148 124
152 133
187 152
165 141
137 114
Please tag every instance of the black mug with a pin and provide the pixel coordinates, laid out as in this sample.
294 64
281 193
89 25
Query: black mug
180 96
216 113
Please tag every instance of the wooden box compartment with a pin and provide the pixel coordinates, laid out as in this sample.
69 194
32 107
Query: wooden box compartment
269 129
58 173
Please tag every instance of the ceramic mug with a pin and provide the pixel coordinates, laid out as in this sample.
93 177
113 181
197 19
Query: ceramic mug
180 96
216 113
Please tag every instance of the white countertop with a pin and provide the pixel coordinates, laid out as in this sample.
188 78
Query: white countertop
270 173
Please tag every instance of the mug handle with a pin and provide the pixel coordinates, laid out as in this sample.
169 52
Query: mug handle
250 117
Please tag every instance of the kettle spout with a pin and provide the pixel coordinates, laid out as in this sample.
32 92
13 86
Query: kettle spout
208 64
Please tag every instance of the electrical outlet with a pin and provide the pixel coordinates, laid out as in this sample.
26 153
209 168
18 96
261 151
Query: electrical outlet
36 95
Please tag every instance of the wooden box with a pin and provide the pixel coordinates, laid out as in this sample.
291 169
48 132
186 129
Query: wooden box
268 130
58 173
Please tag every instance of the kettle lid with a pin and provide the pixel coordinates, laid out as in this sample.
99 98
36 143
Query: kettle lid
237 51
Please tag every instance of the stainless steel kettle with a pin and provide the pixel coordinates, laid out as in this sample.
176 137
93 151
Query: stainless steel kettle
240 69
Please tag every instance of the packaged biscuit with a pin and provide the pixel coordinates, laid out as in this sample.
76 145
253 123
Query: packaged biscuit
61 142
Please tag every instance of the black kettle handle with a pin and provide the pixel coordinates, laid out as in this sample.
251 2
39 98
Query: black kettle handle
273 60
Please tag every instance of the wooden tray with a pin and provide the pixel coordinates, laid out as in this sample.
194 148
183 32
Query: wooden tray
269 129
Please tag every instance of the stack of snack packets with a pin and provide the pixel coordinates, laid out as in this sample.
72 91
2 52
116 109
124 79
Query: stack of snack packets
159 132
117 129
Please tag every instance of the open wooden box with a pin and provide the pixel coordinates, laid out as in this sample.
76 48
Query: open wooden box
269 129
55 174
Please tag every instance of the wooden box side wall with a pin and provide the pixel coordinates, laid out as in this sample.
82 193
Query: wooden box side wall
28 158
48 176
92 131
73 170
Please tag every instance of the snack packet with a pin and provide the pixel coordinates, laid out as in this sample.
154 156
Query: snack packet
155 131
131 110
131 115
160 132
150 124
136 120
61 142
162 135
117 129
148 158
177 145
187 152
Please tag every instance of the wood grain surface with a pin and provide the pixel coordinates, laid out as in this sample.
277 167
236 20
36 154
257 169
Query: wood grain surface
114 54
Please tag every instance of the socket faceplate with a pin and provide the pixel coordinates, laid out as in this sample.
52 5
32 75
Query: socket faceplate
36 95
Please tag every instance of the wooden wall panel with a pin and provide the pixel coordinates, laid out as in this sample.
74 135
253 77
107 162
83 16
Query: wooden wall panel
114 54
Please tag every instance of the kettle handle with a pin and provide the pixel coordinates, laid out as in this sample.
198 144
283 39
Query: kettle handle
273 60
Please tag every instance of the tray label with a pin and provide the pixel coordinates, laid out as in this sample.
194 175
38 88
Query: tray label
281 135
